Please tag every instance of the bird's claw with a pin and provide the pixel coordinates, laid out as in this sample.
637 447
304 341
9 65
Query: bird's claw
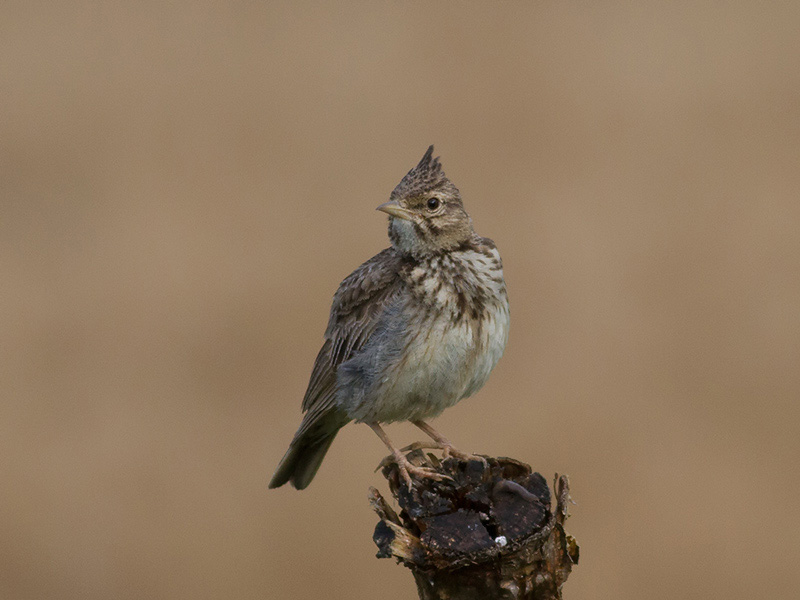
390 459
421 446
408 470
447 451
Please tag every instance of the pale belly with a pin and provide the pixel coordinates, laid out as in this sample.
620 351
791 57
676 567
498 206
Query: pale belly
442 364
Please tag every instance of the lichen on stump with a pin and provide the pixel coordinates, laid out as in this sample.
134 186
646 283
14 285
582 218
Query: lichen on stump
488 532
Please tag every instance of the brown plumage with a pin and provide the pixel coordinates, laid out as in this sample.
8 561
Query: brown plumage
411 332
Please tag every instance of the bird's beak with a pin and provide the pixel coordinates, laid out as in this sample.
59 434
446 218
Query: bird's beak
393 209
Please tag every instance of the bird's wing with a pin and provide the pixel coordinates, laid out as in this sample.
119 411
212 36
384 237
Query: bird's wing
357 306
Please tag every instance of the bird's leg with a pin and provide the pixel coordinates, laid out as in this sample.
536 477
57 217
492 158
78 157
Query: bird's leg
406 468
444 444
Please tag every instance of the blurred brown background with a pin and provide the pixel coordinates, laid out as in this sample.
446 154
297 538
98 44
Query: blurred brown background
184 185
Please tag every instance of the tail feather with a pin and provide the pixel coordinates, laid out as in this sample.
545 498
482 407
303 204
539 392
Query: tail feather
301 463
305 454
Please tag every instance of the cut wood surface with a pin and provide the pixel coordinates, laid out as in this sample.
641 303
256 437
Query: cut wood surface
487 532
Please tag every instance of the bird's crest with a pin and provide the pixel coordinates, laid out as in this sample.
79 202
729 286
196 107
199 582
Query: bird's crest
425 177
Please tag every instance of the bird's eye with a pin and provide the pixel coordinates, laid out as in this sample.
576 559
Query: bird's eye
433 203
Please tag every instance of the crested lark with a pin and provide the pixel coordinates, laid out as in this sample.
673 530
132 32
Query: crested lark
412 331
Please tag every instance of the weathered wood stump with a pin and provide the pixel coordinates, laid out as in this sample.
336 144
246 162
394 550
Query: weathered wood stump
488 532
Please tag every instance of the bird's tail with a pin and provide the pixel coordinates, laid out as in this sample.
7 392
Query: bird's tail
308 448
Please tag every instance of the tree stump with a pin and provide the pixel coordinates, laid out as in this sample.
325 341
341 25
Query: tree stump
486 533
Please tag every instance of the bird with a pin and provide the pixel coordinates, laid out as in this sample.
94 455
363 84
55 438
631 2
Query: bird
412 331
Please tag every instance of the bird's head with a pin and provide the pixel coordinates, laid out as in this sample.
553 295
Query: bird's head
426 215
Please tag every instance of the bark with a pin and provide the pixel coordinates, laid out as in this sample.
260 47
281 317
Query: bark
488 533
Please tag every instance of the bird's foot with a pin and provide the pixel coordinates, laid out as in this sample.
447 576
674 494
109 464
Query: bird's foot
420 446
447 451
409 470
391 458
